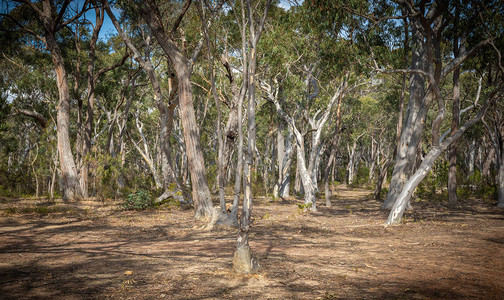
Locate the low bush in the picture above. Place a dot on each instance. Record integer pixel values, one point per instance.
(140, 200)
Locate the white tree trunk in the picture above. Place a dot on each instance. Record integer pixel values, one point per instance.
(500, 182)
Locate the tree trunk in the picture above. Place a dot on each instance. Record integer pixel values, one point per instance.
(489, 158)
(286, 165)
(280, 157)
(70, 182)
(200, 192)
(381, 179)
(404, 197)
(471, 158)
(452, 151)
(243, 261)
(402, 201)
(306, 180)
(351, 163)
(500, 182)
(411, 133)
(183, 67)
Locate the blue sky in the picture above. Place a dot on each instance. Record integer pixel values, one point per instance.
(108, 28)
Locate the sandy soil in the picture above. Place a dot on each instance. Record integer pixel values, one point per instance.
(93, 250)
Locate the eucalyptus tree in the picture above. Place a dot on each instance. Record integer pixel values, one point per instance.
(244, 261)
(175, 47)
(93, 73)
(44, 21)
(166, 111)
(494, 122)
(27, 150)
(235, 40)
(428, 24)
(319, 59)
(428, 70)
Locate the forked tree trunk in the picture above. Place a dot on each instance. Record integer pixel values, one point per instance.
(331, 163)
(166, 113)
(412, 129)
(91, 82)
(403, 200)
(243, 260)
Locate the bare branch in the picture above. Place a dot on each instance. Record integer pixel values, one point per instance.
(180, 17)
(78, 15)
(463, 56)
(35, 115)
(118, 64)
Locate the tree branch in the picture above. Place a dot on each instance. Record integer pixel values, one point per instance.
(35, 115)
(118, 64)
(180, 17)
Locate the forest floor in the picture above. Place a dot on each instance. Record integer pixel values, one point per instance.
(94, 250)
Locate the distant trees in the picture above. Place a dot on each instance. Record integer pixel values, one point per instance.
(361, 92)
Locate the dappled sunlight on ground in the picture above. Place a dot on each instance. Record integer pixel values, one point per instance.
(94, 250)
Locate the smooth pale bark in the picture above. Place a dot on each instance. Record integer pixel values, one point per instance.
(471, 158)
(145, 152)
(427, 28)
(352, 160)
(403, 200)
(307, 175)
(332, 156)
(284, 190)
(280, 147)
(70, 182)
(243, 251)
(500, 182)
(372, 161)
(298, 186)
(240, 97)
(413, 124)
(303, 173)
(452, 151)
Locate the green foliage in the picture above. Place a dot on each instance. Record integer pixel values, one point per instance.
(427, 188)
(140, 200)
(476, 186)
(304, 207)
(362, 176)
(108, 173)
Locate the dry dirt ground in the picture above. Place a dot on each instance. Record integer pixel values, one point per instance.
(93, 250)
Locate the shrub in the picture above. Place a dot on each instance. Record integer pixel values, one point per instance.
(140, 200)
(107, 174)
